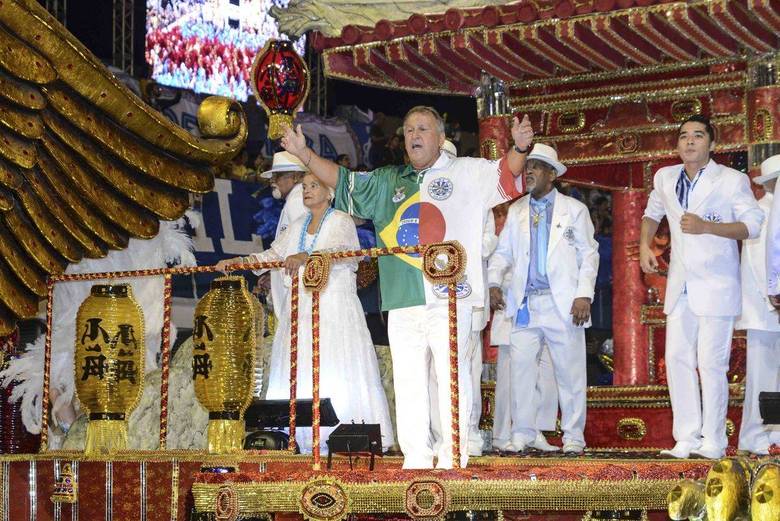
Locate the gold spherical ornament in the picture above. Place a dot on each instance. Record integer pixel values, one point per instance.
(686, 500)
(224, 344)
(727, 490)
(109, 364)
(765, 497)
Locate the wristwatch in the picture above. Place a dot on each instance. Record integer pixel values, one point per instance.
(520, 150)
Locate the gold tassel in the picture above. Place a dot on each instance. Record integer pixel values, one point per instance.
(225, 436)
(277, 123)
(106, 436)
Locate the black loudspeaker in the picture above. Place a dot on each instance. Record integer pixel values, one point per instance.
(262, 414)
(769, 407)
(355, 438)
(263, 417)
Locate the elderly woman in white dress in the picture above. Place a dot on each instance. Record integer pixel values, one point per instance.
(349, 373)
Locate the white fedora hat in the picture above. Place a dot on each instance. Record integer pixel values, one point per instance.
(449, 147)
(284, 162)
(770, 169)
(547, 154)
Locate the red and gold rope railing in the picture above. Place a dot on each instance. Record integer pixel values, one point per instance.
(443, 263)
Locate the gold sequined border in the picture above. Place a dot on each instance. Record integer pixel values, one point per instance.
(389, 497)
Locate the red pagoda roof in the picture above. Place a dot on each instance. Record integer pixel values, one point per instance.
(532, 40)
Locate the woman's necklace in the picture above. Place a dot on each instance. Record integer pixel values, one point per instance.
(302, 240)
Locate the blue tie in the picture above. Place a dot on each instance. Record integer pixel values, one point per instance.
(540, 221)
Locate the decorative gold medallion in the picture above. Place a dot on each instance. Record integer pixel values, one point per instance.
(426, 499)
(685, 108)
(762, 126)
(226, 505)
(324, 500)
(569, 122)
(316, 271)
(444, 262)
(633, 429)
(628, 143)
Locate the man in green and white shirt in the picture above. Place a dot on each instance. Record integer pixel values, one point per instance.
(434, 198)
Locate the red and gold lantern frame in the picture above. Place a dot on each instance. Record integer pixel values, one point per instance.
(280, 81)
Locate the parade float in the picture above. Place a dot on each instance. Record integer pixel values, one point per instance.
(86, 167)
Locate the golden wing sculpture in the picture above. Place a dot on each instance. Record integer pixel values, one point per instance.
(84, 163)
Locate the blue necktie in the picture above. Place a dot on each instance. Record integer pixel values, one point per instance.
(540, 221)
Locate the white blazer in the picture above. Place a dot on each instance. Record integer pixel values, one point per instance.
(757, 312)
(706, 265)
(572, 254)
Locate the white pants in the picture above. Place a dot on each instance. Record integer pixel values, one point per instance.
(419, 337)
(475, 356)
(475, 350)
(703, 343)
(566, 344)
(763, 374)
(546, 395)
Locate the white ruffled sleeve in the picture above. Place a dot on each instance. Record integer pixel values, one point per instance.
(342, 235)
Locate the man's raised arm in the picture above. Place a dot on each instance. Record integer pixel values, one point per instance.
(325, 170)
(522, 136)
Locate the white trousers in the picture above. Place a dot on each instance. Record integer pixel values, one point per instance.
(703, 343)
(475, 357)
(763, 374)
(419, 337)
(474, 350)
(545, 396)
(566, 344)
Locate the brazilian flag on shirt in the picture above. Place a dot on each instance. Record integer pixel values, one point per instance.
(390, 197)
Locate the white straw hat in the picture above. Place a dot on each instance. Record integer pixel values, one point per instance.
(284, 162)
(547, 154)
(770, 169)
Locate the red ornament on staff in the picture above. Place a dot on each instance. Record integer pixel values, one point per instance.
(280, 80)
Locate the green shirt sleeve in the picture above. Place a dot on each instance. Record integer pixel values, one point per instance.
(360, 193)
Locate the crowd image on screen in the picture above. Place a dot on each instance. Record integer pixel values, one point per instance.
(209, 45)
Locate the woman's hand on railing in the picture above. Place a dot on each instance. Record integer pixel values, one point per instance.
(225, 265)
(293, 262)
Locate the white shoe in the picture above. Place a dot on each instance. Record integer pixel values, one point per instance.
(680, 451)
(763, 451)
(474, 449)
(707, 452)
(573, 447)
(503, 446)
(520, 443)
(540, 443)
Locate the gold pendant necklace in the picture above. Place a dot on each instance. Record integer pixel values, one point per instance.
(536, 218)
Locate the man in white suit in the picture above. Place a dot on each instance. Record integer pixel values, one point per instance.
(709, 207)
(760, 319)
(285, 174)
(547, 243)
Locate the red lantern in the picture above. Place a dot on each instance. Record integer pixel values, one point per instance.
(280, 80)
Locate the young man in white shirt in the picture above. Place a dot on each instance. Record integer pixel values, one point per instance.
(709, 208)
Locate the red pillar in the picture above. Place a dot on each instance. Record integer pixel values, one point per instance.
(630, 336)
(494, 136)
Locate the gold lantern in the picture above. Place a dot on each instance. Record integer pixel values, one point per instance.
(109, 364)
(223, 360)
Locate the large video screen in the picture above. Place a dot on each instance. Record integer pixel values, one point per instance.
(208, 45)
